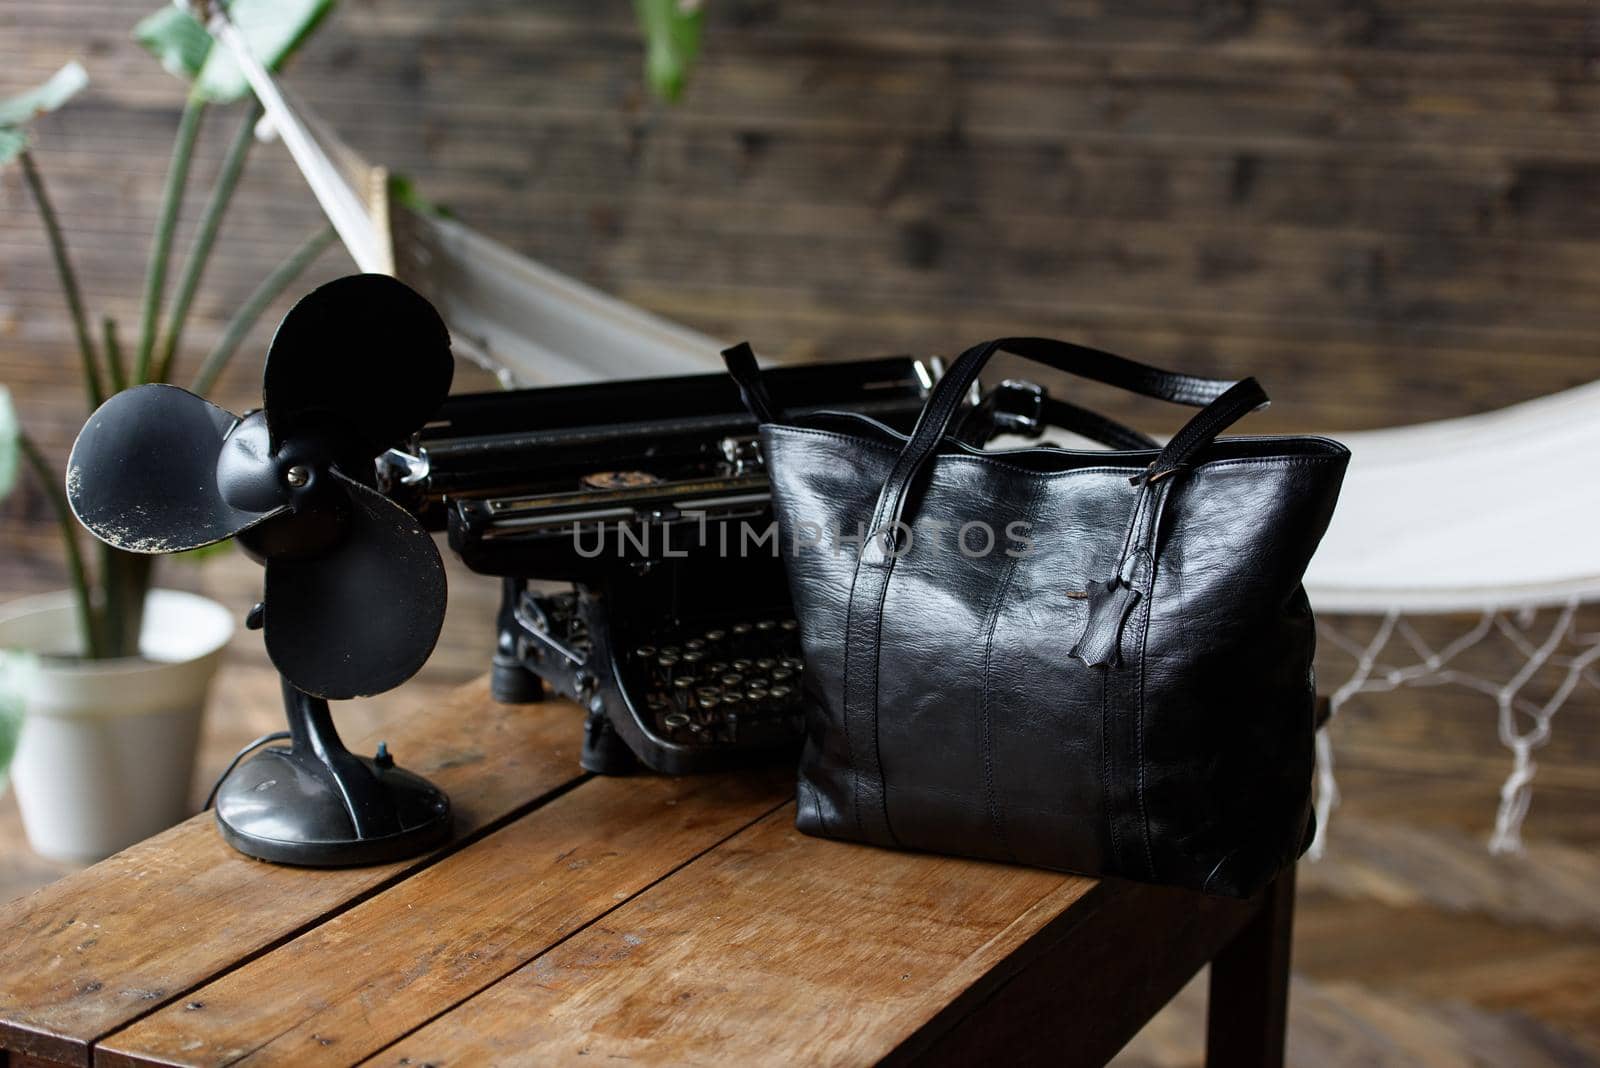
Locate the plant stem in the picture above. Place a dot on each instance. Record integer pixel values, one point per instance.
(155, 276)
(69, 280)
(124, 581)
(64, 519)
(267, 292)
(205, 236)
(114, 362)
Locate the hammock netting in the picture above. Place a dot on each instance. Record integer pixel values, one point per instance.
(1551, 648)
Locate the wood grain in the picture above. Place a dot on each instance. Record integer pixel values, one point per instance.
(103, 947)
(22, 1060)
(367, 977)
(840, 952)
(1086, 983)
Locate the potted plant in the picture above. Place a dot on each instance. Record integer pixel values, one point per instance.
(110, 677)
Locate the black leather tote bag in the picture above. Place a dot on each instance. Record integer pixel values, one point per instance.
(1091, 661)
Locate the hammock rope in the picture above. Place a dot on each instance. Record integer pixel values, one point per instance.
(1524, 724)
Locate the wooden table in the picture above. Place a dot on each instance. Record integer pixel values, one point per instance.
(582, 919)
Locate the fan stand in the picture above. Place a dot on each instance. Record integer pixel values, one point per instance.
(316, 804)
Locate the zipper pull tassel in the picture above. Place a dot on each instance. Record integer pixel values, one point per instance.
(1110, 602)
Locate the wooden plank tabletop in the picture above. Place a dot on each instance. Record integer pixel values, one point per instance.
(574, 917)
(448, 932)
(108, 945)
(774, 948)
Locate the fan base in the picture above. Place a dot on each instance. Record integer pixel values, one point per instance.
(285, 806)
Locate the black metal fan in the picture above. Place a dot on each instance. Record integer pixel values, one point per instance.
(354, 591)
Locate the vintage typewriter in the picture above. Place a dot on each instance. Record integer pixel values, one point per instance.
(628, 522)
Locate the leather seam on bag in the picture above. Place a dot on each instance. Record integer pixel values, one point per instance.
(877, 666)
(1156, 500)
(801, 786)
(876, 753)
(996, 818)
(995, 459)
(1107, 794)
(1139, 543)
(844, 706)
(1343, 454)
(1152, 556)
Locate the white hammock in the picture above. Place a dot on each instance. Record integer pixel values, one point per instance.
(1492, 514)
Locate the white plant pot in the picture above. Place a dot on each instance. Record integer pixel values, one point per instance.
(107, 748)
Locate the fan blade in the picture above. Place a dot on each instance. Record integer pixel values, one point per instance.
(363, 359)
(143, 472)
(362, 618)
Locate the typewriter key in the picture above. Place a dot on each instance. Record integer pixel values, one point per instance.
(740, 665)
(741, 635)
(666, 668)
(694, 645)
(716, 637)
(682, 692)
(671, 650)
(647, 653)
(790, 628)
(691, 661)
(782, 677)
(766, 664)
(719, 667)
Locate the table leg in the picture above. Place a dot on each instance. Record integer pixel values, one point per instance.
(1249, 1000)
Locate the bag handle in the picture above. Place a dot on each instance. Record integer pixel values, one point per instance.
(1039, 409)
(1016, 407)
(1223, 402)
(740, 360)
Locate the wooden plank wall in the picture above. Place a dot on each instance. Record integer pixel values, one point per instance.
(1387, 207)
(1388, 210)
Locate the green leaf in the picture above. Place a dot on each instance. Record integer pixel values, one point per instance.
(173, 36)
(273, 29)
(204, 553)
(10, 443)
(403, 191)
(672, 41)
(62, 86)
